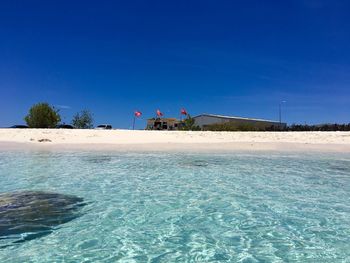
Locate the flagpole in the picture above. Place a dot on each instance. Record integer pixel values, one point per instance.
(133, 124)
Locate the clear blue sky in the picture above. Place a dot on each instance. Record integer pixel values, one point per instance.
(236, 58)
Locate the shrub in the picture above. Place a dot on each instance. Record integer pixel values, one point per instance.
(83, 120)
(42, 115)
(229, 126)
(188, 124)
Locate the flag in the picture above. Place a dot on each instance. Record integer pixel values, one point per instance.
(159, 113)
(138, 113)
(183, 111)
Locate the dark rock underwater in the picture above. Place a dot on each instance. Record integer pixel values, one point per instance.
(31, 214)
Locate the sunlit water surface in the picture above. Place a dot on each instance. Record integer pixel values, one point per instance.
(150, 207)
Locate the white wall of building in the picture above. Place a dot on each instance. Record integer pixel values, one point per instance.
(204, 120)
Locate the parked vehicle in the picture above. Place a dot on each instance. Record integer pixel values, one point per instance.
(104, 127)
(19, 127)
(64, 126)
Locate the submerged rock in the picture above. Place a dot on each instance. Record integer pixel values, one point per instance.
(31, 214)
(194, 163)
(98, 159)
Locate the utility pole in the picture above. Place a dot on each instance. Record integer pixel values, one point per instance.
(280, 110)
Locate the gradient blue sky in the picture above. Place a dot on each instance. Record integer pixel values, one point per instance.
(236, 58)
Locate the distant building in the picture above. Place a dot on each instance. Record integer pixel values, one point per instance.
(205, 120)
(163, 124)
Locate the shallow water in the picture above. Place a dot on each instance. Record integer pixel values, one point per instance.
(148, 207)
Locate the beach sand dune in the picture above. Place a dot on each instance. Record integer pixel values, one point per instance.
(172, 140)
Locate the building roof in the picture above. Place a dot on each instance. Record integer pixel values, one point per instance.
(235, 118)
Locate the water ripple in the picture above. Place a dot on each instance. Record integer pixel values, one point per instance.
(189, 207)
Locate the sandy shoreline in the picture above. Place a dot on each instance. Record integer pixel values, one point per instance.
(127, 140)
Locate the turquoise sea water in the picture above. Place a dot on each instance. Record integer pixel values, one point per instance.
(168, 207)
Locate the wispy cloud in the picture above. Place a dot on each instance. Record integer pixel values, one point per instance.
(64, 107)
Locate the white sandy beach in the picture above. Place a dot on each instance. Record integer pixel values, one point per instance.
(172, 140)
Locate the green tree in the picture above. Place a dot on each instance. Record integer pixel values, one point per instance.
(83, 120)
(188, 124)
(42, 115)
